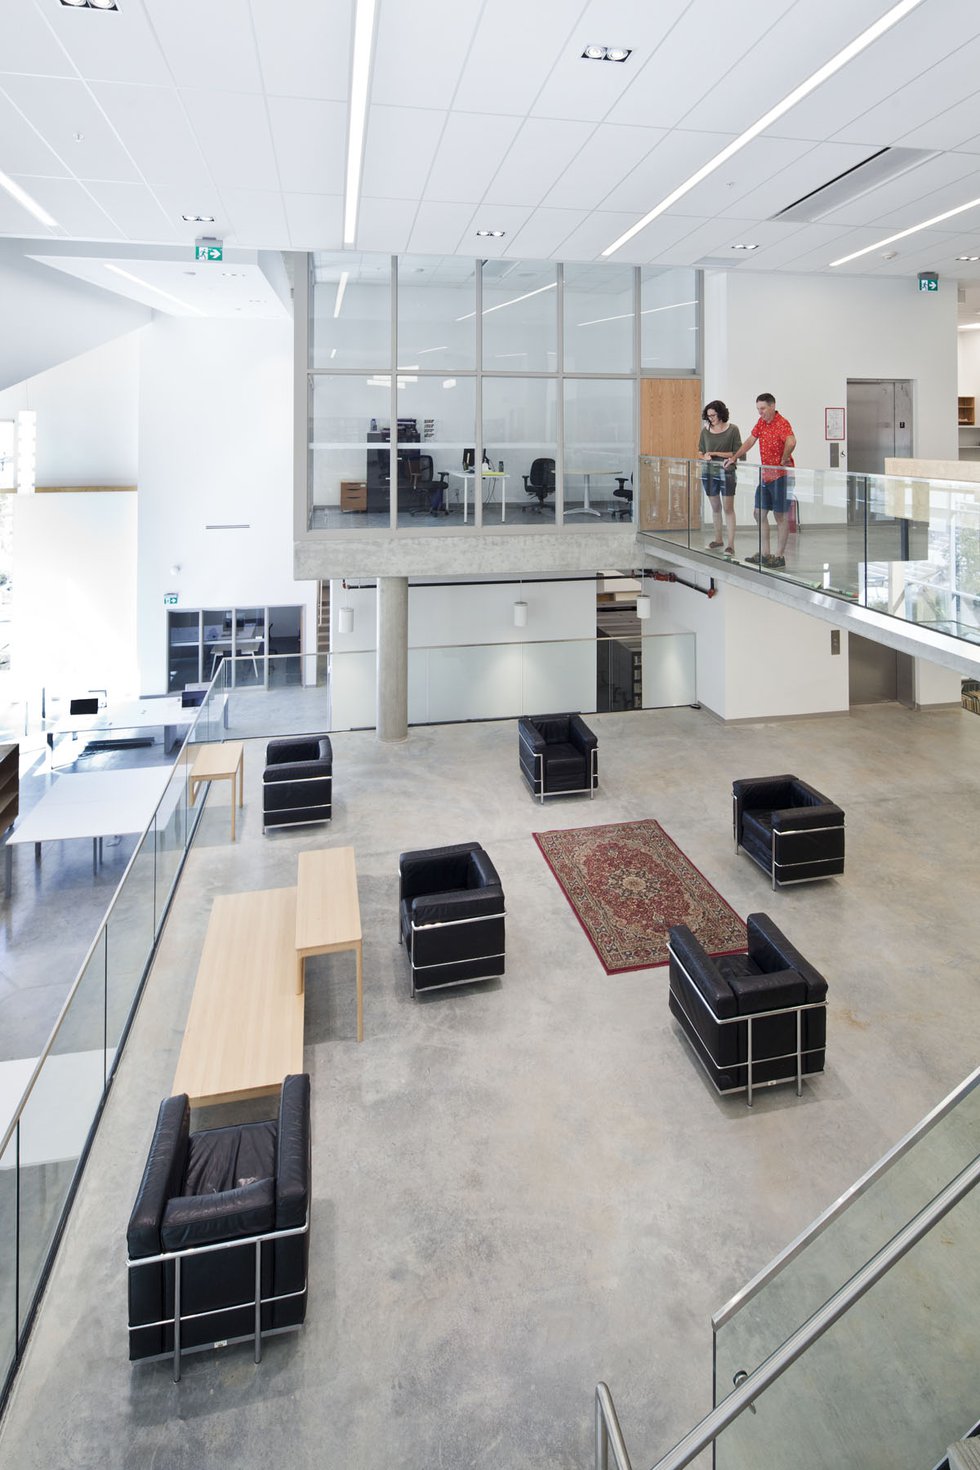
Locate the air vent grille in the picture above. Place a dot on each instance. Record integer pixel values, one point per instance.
(877, 169)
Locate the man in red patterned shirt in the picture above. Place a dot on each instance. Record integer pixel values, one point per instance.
(776, 441)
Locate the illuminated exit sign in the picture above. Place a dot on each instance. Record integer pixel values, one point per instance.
(205, 251)
(928, 281)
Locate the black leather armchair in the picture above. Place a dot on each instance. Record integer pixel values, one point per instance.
(451, 915)
(297, 784)
(218, 1239)
(540, 483)
(792, 831)
(559, 755)
(754, 1019)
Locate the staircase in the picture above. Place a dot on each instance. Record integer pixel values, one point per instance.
(323, 618)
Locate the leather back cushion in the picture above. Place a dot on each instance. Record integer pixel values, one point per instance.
(220, 1159)
(553, 728)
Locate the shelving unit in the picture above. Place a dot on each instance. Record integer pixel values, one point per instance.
(969, 429)
(966, 412)
(9, 802)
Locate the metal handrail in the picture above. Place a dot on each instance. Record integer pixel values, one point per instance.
(80, 975)
(820, 1224)
(755, 1384)
(608, 1432)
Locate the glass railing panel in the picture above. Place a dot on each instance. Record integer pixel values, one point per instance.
(8, 1255)
(891, 1383)
(668, 674)
(294, 701)
(847, 1241)
(56, 1119)
(171, 832)
(131, 930)
(666, 504)
(469, 682)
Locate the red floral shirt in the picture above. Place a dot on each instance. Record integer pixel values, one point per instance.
(772, 438)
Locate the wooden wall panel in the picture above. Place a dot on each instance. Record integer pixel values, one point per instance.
(670, 422)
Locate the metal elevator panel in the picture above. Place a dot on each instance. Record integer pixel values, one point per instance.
(879, 423)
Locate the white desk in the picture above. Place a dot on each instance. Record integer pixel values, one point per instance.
(93, 804)
(246, 644)
(587, 508)
(127, 714)
(493, 476)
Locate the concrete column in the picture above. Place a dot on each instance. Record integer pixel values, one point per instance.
(392, 695)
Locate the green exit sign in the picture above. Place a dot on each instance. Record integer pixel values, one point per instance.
(170, 599)
(928, 281)
(209, 252)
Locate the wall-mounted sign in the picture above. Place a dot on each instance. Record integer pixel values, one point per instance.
(928, 281)
(209, 250)
(170, 599)
(833, 423)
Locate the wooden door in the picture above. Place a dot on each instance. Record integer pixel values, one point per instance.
(670, 422)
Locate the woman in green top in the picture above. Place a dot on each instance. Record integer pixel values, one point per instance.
(719, 439)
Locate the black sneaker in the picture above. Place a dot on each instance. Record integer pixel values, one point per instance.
(774, 561)
(757, 559)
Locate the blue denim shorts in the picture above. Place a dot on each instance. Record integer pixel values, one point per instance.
(774, 494)
(716, 480)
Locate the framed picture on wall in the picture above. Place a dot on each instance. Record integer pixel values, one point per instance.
(833, 423)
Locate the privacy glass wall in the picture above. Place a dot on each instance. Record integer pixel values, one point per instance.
(467, 393)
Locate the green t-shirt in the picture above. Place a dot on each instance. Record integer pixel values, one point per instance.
(726, 441)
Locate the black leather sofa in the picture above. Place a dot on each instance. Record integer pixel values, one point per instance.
(753, 1019)
(559, 755)
(451, 915)
(297, 784)
(793, 832)
(218, 1239)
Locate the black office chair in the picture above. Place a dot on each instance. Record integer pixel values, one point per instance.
(426, 483)
(539, 482)
(624, 492)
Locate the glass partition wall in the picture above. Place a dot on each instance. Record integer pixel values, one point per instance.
(456, 393)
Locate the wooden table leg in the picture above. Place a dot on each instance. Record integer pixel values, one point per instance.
(360, 994)
(233, 806)
(241, 780)
(300, 975)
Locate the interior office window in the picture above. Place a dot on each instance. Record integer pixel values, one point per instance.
(599, 317)
(669, 320)
(600, 449)
(436, 313)
(520, 432)
(350, 310)
(520, 316)
(349, 456)
(436, 425)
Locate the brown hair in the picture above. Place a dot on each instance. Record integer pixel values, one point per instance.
(719, 408)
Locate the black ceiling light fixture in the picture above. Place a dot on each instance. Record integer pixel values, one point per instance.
(91, 4)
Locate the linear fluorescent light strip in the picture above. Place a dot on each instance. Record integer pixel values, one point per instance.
(117, 270)
(648, 311)
(341, 288)
(913, 229)
(360, 75)
(24, 199)
(552, 285)
(861, 43)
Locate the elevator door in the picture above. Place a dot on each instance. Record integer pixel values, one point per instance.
(879, 423)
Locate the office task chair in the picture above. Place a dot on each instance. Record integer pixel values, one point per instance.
(539, 482)
(426, 483)
(624, 492)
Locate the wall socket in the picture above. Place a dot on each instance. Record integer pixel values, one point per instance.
(835, 640)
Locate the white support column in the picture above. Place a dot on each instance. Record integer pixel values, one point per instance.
(392, 658)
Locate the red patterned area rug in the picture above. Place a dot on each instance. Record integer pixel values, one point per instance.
(627, 883)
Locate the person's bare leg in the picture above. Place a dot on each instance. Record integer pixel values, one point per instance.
(715, 503)
(729, 522)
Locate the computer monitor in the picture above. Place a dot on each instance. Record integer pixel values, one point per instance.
(84, 706)
(469, 458)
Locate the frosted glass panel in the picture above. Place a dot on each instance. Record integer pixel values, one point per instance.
(669, 670)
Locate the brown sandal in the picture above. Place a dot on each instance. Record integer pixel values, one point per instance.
(729, 551)
(715, 545)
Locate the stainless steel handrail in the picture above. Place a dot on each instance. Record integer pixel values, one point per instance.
(752, 1387)
(608, 1432)
(820, 1224)
(80, 975)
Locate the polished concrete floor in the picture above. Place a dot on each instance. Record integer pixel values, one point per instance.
(526, 1186)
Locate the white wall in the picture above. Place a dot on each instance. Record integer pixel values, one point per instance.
(215, 447)
(802, 337)
(75, 594)
(968, 364)
(87, 415)
(936, 685)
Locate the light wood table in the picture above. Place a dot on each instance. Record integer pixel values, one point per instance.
(328, 916)
(244, 1030)
(224, 761)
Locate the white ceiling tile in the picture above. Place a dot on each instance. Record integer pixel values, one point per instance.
(58, 110)
(606, 158)
(310, 139)
(385, 224)
(207, 46)
(934, 186)
(316, 221)
(73, 207)
(602, 228)
(917, 101)
(470, 151)
(113, 45)
(749, 170)
(545, 233)
(304, 48)
(232, 130)
(256, 217)
(821, 163)
(30, 44)
(439, 227)
(954, 129)
(539, 155)
(401, 144)
(409, 71)
(157, 133)
(513, 51)
(668, 164)
(134, 210)
(15, 220)
(22, 150)
(796, 242)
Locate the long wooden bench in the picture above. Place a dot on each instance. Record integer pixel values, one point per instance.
(244, 1030)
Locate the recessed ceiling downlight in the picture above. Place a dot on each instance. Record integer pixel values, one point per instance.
(606, 53)
(490, 234)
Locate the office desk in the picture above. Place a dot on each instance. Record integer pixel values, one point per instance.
(493, 476)
(587, 508)
(127, 714)
(246, 644)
